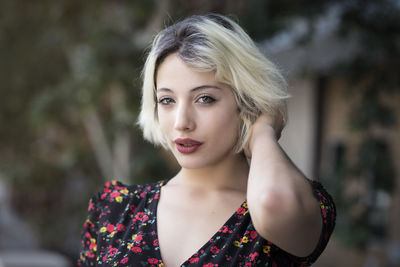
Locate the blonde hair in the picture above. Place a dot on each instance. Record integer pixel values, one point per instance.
(215, 43)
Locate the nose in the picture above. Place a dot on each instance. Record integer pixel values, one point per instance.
(184, 118)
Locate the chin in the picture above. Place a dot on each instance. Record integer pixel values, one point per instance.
(192, 163)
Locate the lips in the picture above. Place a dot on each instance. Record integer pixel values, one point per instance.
(187, 145)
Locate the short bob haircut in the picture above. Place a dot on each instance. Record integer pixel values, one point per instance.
(215, 43)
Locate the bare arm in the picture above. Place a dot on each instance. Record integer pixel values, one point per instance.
(280, 199)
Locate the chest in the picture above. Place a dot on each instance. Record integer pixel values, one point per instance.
(129, 236)
(184, 228)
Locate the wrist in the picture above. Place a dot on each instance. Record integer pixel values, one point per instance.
(262, 136)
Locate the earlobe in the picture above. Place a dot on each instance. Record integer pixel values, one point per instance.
(247, 152)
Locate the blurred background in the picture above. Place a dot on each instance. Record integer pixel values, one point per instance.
(70, 96)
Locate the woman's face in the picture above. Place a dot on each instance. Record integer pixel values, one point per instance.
(197, 115)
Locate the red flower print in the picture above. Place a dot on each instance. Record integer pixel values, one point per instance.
(322, 197)
(253, 234)
(125, 223)
(110, 227)
(214, 250)
(92, 246)
(91, 207)
(115, 194)
(138, 238)
(139, 216)
(323, 212)
(193, 260)
(132, 208)
(254, 256)
(120, 227)
(136, 249)
(241, 210)
(152, 260)
(112, 251)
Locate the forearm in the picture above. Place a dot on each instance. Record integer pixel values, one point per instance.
(272, 172)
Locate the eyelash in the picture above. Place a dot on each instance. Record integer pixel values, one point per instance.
(202, 99)
(210, 99)
(163, 99)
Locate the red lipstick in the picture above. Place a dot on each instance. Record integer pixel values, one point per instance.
(187, 145)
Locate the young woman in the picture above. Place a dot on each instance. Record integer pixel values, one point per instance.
(213, 100)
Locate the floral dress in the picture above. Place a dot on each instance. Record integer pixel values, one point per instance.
(121, 231)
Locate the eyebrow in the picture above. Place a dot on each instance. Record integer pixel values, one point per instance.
(202, 87)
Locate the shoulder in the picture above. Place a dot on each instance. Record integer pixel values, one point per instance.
(107, 211)
(117, 194)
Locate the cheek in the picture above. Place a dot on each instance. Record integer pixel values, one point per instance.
(163, 121)
(229, 124)
(165, 128)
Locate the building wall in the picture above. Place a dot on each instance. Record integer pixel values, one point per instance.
(298, 137)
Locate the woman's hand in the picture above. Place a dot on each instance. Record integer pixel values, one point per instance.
(265, 126)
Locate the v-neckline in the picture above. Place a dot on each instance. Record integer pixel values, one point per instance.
(213, 237)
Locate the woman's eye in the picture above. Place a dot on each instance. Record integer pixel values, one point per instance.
(165, 101)
(205, 99)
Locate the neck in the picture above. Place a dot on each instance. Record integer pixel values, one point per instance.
(232, 174)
